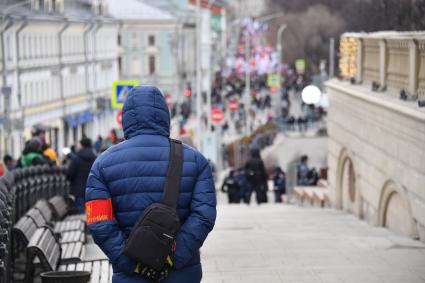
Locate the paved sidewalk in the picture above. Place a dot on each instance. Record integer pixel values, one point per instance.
(281, 243)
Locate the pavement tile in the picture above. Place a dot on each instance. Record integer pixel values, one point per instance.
(287, 243)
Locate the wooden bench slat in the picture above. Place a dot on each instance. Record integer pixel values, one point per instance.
(77, 250)
(95, 276)
(71, 267)
(104, 271)
(74, 225)
(68, 253)
(88, 266)
(67, 225)
(80, 266)
(64, 250)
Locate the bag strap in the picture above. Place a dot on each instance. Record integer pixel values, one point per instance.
(174, 172)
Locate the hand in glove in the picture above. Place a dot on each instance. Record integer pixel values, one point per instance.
(153, 274)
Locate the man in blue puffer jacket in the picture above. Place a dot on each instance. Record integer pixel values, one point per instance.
(130, 176)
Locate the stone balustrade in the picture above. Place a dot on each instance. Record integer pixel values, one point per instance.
(394, 60)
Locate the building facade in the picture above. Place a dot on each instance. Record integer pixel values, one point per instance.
(148, 44)
(59, 59)
(377, 130)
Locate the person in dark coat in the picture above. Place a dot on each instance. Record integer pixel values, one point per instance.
(9, 162)
(245, 187)
(257, 176)
(303, 172)
(130, 176)
(78, 171)
(231, 187)
(279, 184)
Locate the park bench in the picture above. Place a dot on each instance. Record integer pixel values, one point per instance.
(44, 252)
(45, 209)
(322, 183)
(59, 207)
(299, 194)
(320, 197)
(26, 227)
(3, 252)
(22, 213)
(308, 195)
(6, 218)
(312, 195)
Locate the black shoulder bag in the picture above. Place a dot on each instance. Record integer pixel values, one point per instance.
(153, 236)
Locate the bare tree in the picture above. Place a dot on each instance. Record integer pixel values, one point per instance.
(312, 22)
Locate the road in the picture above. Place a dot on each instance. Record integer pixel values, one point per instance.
(282, 243)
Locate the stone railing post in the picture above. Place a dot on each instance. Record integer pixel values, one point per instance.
(359, 60)
(413, 66)
(383, 62)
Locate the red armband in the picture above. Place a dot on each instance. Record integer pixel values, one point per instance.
(99, 210)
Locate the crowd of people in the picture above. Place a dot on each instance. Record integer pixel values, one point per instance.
(253, 177)
(78, 160)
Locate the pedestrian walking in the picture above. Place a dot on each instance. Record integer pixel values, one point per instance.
(244, 185)
(46, 149)
(78, 171)
(99, 144)
(279, 184)
(303, 171)
(130, 177)
(9, 162)
(32, 154)
(231, 187)
(257, 176)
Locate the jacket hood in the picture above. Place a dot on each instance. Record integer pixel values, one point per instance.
(145, 112)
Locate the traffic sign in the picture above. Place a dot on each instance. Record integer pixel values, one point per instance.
(119, 117)
(120, 90)
(233, 105)
(217, 116)
(300, 66)
(273, 80)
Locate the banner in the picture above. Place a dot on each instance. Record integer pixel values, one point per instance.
(300, 66)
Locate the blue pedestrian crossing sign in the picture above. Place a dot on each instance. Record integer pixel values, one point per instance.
(120, 90)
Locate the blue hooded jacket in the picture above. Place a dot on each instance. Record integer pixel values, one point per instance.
(131, 176)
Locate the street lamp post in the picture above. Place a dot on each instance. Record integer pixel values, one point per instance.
(210, 3)
(247, 85)
(198, 73)
(279, 43)
(332, 57)
(280, 31)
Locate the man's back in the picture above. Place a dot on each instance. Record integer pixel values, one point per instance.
(79, 169)
(130, 176)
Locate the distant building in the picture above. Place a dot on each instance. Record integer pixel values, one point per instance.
(59, 58)
(151, 42)
(158, 43)
(377, 130)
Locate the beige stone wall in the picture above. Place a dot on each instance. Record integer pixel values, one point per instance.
(384, 140)
(397, 63)
(371, 62)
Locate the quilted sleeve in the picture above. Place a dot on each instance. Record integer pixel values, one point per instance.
(102, 224)
(201, 219)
